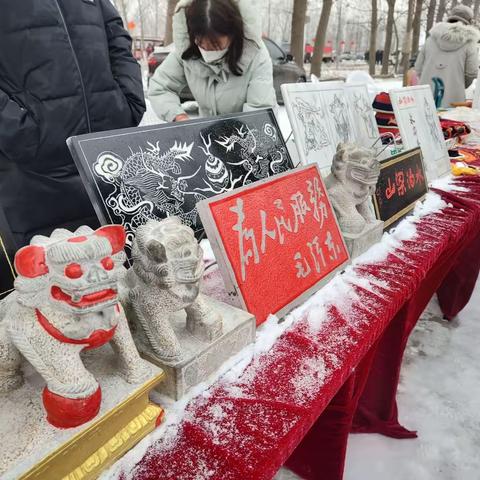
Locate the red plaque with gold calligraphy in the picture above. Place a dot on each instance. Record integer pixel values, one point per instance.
(276, 241)
(402, 183)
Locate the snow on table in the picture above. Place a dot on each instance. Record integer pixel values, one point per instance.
(245, 423)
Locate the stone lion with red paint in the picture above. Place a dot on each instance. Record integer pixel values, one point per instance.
(65, 301)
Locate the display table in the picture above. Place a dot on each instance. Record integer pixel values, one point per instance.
(297, 403)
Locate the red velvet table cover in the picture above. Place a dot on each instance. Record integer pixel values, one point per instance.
(314, 377)
(453, 277)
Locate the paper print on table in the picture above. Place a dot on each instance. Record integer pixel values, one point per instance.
(433, 123)
(311, 118)
(339, 114)
(276, 242)
(476, 94)
(402, 183)
(138, 174)
(325, 114)
(419, 125)
(320, 119)
(364, 123)
(7, 254)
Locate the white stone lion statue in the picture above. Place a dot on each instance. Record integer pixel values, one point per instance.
(352, 182)
(165, 278)
(66, 301)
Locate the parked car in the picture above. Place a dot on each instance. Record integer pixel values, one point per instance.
(286, 47)
(157, 57)
(347, 56)
(285, 70)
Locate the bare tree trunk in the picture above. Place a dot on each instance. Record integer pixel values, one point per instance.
(431, 15)
(298, 30)
(285, 21)
(269, 13)
(476, 7)
(320, 37)
(338, 35)
(407, 41)
(142, 26)
(373, 38)
(397, 46)
(388, 37)
(442, 6)
(416, 25)
(171, 4)
(122, 7)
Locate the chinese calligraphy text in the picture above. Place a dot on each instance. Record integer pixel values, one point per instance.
(401, 184)
(280, 238)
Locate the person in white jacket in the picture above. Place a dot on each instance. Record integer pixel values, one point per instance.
(219, 54)
(451, 54)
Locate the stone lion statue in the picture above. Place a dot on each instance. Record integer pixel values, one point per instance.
(66, 301)
(353, 179)
(165, 278)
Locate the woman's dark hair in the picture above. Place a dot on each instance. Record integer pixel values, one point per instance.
(210, 19)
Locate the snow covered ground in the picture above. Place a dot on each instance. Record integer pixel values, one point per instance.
(439, 395)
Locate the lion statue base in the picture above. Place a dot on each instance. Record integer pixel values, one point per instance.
(186, 333)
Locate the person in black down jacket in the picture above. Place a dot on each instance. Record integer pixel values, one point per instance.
(66, 69)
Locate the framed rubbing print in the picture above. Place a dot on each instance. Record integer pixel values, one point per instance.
(320, 119)
(326, 113)
(364, 122)
(402, 183)
(138, 174)
(476, 94)
(7, 254)
(419, 125)
(276, 241)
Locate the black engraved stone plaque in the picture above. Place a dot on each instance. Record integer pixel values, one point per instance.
(7, 253)
(401, 184)
(136, 174)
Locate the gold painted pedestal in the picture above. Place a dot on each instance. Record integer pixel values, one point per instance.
(33, 449)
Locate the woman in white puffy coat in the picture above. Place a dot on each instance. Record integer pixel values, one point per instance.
(451, 54)
(219, 54)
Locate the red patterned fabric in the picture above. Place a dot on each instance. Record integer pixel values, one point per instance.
(246, 430)
(452, 128)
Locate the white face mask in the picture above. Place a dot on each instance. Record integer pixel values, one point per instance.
(212, 56)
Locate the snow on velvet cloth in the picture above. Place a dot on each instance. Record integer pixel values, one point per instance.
(213, 86)
(246, 424)
(452, 276)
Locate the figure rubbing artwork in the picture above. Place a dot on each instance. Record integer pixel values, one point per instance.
(151, 173)
(364, 110)
(312, 121)
(338, 108)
